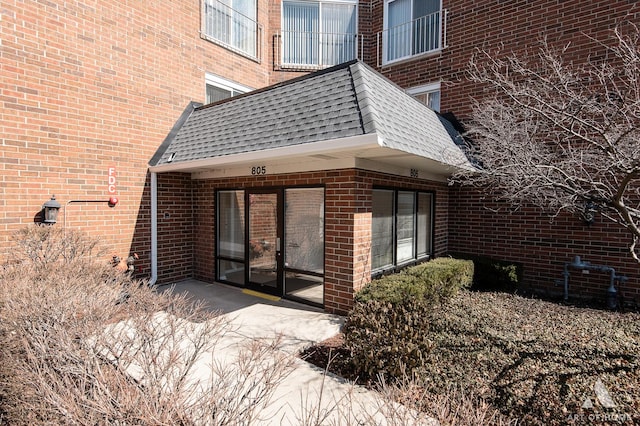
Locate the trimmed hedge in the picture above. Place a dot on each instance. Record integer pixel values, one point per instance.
(432, 282)
(386, 330)
(387, 338)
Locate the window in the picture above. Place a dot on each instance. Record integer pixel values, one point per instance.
(318, 34)
(411, 27)
(401, 228)
(218, 88)
(232, 23)
(428, 95)
(405, 220)
(424, 224)
(382, 229)
(230, 227)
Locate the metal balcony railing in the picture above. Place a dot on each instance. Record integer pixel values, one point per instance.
(313, 50)
(420, 36)
(230, 28)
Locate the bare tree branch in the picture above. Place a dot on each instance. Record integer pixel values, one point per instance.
(560, 135)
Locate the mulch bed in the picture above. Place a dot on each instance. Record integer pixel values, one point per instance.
(331, 355)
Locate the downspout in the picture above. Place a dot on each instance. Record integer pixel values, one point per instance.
(154, 186)
(154, 229)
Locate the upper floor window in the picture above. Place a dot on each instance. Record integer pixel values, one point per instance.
(218, 88)
(411, 27)
(428, 94)
(233, 24)
(319, 33)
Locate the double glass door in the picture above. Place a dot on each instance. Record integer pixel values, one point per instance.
(272, 240)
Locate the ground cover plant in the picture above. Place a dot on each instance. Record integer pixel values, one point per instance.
(536, 362)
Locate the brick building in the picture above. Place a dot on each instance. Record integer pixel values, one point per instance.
(528, 236)
(90, 90)
(301, 187)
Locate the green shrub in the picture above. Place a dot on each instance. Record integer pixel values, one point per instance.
(392, 288)
(443, 277)
(386, 330)
(434, 281)
(387, 338)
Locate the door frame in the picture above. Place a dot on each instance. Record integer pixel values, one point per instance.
(278, 290)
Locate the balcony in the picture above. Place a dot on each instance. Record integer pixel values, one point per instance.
(420, 36)
(313, 50)
(231, 29)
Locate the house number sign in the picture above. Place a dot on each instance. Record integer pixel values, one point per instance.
(259, 170)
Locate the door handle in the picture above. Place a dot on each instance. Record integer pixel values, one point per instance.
(277, 244)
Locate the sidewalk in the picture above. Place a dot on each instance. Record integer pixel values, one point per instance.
(306, 395)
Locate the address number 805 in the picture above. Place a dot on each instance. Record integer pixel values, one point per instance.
(259, 170)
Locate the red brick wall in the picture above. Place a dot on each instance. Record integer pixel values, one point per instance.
(542, 245)
(204, 223)
(347, 223)
(508, 25)
(176, 227)
(526, 236)
(87, 86)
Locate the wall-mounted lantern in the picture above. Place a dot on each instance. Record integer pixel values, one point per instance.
(50, 211)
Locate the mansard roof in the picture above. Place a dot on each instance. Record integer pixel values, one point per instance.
(349, 102)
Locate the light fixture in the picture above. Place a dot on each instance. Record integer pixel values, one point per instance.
(50, 211)
(589, 213)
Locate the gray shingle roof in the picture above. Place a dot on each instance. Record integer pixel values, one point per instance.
(348, 100)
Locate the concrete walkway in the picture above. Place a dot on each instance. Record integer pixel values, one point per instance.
(306, 396)
(297, 326)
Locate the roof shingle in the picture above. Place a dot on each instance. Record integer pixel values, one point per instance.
(347, 100)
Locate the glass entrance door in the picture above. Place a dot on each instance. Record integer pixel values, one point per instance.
(265, 241)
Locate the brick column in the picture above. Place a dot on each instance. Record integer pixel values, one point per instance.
(347, 239)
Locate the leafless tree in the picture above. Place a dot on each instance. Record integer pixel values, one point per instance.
(561, 135)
